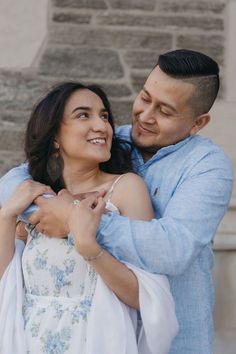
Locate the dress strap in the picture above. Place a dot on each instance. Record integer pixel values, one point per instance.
(111, 190)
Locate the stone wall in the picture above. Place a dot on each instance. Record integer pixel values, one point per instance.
(116, 43)
(111, 42)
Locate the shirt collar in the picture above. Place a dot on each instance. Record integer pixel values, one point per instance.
(160, 153)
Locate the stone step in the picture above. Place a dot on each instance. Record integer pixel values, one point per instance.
(225, 342)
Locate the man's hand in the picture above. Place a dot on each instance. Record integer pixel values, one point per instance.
(21, 232)
(52, 216)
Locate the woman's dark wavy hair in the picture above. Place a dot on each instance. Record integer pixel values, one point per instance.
(44, 124)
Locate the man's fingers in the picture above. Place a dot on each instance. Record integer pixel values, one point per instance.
(35, 217)
(39, 200)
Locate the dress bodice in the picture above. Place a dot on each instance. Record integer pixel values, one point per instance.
(53, 267)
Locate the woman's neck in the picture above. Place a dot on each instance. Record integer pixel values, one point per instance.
(80, 180)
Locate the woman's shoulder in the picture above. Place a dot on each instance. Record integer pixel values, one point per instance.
(129, 193)
(125, 186)
(130, 179)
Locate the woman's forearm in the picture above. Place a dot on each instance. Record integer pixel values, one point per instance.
(117, 277)
(7, 240)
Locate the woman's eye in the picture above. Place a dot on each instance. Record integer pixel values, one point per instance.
(82, 115)
(105, 116)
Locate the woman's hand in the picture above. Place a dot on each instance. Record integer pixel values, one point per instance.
(22, 197)
(83, 222)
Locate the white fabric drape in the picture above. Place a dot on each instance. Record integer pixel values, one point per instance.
(11, 298)
(111, 324)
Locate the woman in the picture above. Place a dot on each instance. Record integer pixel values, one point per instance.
(77, 296)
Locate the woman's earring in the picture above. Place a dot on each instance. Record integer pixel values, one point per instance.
(55, 165)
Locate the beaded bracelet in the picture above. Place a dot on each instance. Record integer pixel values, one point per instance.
(88, 259)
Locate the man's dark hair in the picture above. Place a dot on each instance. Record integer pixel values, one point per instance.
(43, 126)
(198, 69)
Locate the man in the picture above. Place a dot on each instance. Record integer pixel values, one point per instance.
(190, 182)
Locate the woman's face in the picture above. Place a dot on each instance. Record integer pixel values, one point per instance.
(85, 133)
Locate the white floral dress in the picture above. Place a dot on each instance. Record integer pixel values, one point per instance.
(59, 288)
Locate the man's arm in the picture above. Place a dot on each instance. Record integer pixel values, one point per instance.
(10, 181)
(170, 244)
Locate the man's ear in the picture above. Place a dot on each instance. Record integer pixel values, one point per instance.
(200, 122)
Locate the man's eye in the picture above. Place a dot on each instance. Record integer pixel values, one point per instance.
(145, 99)
(165, 114)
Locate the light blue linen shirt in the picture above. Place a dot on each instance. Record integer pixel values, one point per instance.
(190, 185)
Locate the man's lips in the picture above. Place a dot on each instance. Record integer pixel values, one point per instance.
(144, 130)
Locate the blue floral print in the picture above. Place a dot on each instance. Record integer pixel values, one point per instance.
(56, 342)
(59, 291)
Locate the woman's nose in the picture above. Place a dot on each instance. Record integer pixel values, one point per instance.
(98, 124)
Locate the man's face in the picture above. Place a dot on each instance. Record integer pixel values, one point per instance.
(161, 115)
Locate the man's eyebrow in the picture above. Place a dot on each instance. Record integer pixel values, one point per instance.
(146, 91)
(162, 103)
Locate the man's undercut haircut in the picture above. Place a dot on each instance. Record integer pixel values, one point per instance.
(198, 69)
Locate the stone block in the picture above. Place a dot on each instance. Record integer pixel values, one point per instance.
(225, 342)
(81, 63)
(13, 118)
(133, 4)
(19, 91)
(11, 139)
(138, 79)
(81, 4)
(122, 111)
(72, 17)
(114, 90)
(225, 288)
(142, 59)
(9, 159)
(201, 6)
(161, 21)
(107, 37)
(211, 45)
(228, 223)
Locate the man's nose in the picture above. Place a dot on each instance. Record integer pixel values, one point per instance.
(147, 116)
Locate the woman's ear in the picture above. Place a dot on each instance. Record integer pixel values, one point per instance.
(200, 122)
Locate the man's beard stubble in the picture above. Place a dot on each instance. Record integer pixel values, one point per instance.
(146, 151)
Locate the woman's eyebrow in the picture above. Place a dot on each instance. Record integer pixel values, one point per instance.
(84, 108)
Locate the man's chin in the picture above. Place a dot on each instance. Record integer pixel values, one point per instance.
(145, 149)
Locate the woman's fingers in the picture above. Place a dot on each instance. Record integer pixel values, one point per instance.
(99, 209)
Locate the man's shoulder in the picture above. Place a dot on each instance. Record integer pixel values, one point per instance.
(204, 146)
(204, 151)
